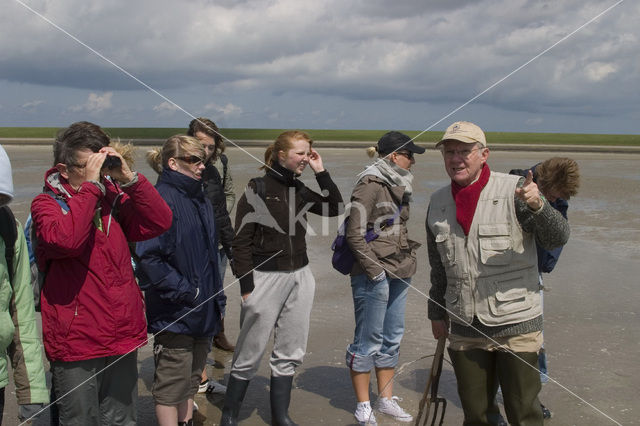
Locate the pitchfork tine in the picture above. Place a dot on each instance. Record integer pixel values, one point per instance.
(436, 404)
(432, 385)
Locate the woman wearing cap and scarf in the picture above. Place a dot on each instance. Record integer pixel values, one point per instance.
(382, 272)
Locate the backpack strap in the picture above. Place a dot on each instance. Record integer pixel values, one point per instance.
(9, 231)
(59, 199)
(38, 285)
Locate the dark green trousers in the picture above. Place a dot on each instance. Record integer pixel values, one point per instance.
(98, 391)
(479, 373)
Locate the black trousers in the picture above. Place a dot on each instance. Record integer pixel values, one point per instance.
(1, 404)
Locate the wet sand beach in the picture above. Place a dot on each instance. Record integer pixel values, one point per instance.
(592, 324)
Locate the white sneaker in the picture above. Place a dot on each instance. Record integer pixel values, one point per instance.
(364, 414)
(391, 408)
(216, 387)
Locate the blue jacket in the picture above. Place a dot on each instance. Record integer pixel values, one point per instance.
(179, 269)
(547, 259)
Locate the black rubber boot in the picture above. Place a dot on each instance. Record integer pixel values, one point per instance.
(520, 387)
(280, 398)
(236, 390)
(477, 385)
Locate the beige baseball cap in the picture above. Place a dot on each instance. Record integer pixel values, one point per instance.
(464, 131)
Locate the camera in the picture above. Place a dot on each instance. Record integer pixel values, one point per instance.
(111, 162)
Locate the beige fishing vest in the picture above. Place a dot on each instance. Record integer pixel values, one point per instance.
(492, 273)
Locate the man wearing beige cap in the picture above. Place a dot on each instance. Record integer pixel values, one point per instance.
(481, 237)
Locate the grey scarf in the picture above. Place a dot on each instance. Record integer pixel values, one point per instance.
(393, 175)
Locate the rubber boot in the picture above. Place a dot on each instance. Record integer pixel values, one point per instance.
(520, 382)
(477, 385)
(236, 390)
(280, 398)
(220, 340)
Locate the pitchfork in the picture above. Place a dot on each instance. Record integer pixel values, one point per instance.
(432, 385)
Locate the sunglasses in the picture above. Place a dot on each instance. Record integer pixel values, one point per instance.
(407, 154)
(191, 159)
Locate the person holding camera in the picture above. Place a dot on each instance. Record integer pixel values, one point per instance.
(93, 318)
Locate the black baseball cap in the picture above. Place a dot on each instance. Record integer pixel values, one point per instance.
(396, 141)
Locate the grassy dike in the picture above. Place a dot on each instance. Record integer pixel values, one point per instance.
(126, 133)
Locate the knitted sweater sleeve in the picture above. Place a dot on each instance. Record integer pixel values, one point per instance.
(550, 228)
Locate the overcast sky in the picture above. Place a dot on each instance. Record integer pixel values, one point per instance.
(344, 64)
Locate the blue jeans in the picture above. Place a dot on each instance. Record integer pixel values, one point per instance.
(379, 313)
(542, 355)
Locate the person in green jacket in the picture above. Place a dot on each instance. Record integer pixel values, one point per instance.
(19, 336)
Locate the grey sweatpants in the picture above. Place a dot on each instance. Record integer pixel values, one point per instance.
(280, 301)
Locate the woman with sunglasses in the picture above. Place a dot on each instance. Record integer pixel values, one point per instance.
(382, 272)
(179, 273)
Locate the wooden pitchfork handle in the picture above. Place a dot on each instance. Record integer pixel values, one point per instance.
(432, 383)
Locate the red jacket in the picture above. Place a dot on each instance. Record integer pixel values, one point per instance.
(91, 304)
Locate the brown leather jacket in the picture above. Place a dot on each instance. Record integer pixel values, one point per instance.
(263, 239)
(372, 202)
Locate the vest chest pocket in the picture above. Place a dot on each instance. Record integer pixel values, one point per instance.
(495, 244)
(446, 246)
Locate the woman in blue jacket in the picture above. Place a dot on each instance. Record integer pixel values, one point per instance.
(179, 273)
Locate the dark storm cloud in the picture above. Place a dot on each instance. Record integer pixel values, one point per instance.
(439, 52)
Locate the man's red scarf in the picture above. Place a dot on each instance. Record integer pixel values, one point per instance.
(466, 198)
